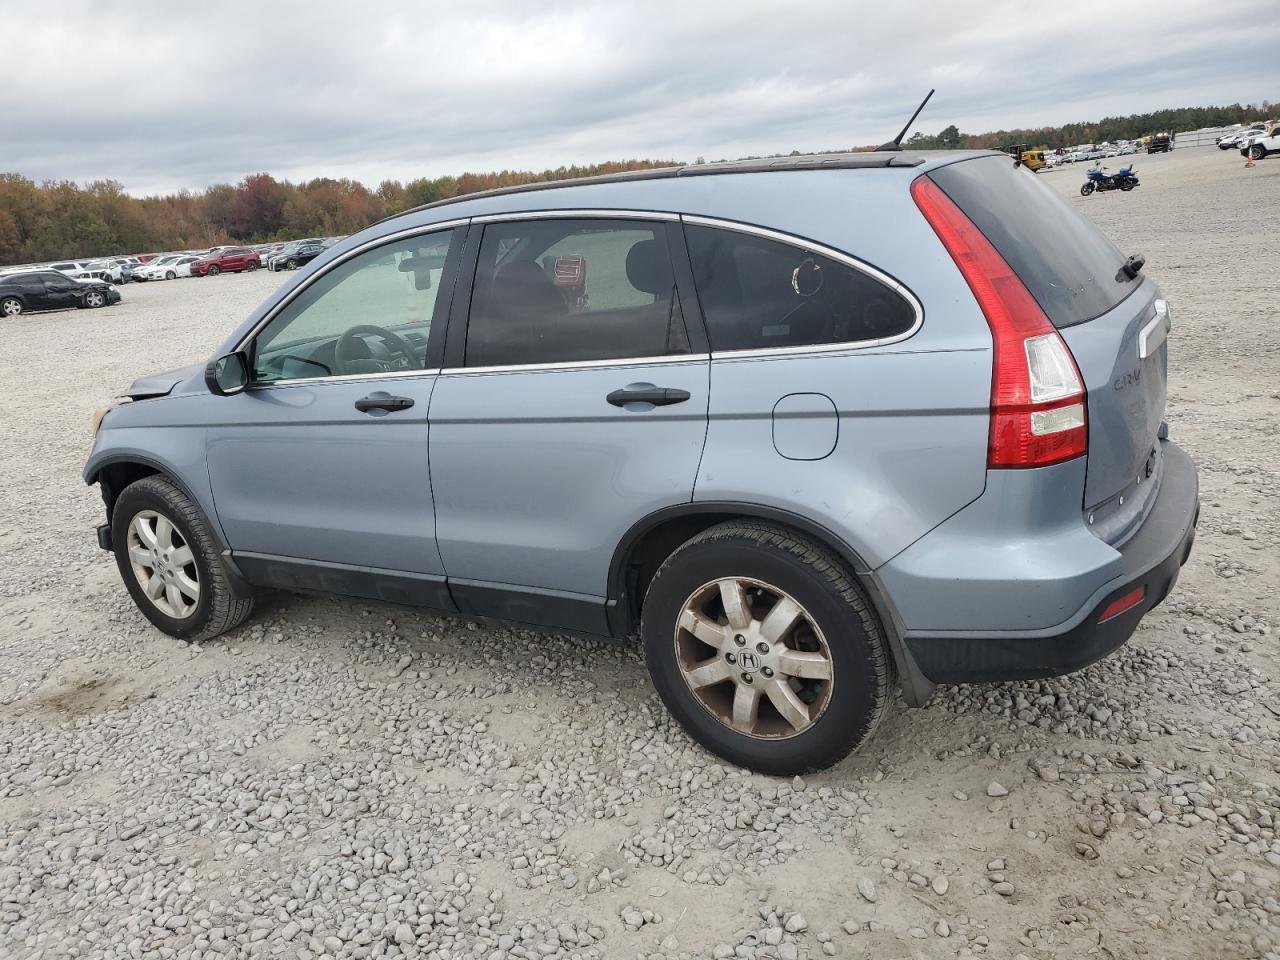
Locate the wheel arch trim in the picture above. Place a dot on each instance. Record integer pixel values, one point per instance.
(916, 688)
(93, 474)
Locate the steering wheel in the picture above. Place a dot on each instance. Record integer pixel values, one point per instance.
(393, 345)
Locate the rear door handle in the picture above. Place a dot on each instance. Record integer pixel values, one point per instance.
(383, 401)
(645, 393)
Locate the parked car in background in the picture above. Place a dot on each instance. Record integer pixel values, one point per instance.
(147, 271)
(295, 254)
(226, 260)
(107, 270)
(51, 290)
(1261, 144)
(803, 432)
(1160, 143)
(168, 268)
(1237, 138)
(71, 268)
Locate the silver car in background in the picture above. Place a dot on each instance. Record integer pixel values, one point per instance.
(809, 426)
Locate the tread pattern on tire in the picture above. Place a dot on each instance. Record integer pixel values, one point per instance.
(817, 558)
(226, 611)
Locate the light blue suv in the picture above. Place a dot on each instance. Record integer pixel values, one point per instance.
(804, 425)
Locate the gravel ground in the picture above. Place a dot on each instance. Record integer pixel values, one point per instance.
(340, 778)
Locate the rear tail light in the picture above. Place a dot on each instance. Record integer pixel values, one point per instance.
(1038, 409)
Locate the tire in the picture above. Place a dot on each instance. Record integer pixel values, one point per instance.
(170, 275)
(10, 307)
(214, 271)
(216, 609)
(835, 621)
(1257, 151)
(95, 299)
(251, 267)
(291, 263)
(1086, 189)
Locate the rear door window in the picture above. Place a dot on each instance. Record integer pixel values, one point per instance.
(759, 294)
(566, 291)
(1067, 264)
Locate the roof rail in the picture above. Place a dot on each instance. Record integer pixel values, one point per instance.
(814, 161)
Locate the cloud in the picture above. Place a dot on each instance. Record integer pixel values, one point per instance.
(163, 98)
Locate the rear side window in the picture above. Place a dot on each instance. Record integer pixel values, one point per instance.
(560, 291)
(758, 293)
(1071, 269)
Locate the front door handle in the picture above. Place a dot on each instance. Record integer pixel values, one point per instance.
(646, 393)
(383, 401)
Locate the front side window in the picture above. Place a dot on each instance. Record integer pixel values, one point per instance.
(563, 291)
(370, 314)
(758, 293)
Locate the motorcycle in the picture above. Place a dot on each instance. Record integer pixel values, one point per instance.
(1099, 179)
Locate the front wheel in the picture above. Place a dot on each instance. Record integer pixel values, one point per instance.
(170, 562)
(291, 263)
(10, 307)
(1086, 189)
(214, 271)
(95, 299)
(1257, 151)
(170, 275)
(765, 649)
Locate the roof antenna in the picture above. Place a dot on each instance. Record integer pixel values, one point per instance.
(896, 142)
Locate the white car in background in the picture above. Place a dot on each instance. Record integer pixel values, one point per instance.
(75, 269)
(108, 270)
(1260, 143)
(1239, 138)
(168, 267)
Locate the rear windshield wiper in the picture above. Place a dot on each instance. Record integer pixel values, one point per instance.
(1132, 267)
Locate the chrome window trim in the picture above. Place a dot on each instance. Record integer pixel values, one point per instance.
(831, 253)
(582, 214)
(343, 378)
(579, 364)
(353, 252)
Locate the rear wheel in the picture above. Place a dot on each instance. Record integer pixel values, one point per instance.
(10, 307)
(765, 649)
(1086, 189)
(170, 562)
(252, 266)
(1127, 186)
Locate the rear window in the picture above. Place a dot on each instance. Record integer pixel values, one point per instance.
(1071, 269)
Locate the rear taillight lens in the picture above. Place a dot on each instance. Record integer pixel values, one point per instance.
(1038, 403)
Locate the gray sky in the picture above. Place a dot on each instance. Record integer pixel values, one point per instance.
(165, 96)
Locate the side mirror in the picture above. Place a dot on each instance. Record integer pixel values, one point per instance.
(227, 375)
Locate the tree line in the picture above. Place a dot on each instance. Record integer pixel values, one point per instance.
(58, 220)
(1099, 131)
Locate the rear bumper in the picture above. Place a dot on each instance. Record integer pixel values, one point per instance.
(1150, 560)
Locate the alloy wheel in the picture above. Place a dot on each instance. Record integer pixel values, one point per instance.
(10, 307)
(754, 658)
(163, 563)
